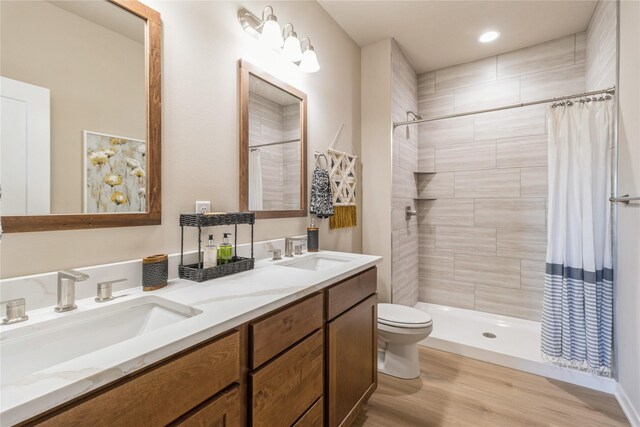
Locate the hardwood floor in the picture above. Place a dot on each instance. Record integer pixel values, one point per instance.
(458, 391)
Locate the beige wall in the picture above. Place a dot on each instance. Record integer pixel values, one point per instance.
(627, 295)
(483, 190)
(202, 42)
(96, 77)
(377, 159)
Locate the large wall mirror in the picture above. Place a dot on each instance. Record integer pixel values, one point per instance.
(273, 144)
(80, 114)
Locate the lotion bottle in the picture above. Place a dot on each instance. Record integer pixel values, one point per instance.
(210, 254)
(225, 252)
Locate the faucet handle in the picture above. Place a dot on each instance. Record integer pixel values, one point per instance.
(105, 290)
(276, 254)
(16, 311)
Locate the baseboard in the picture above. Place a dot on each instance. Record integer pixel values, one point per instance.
(628, 409)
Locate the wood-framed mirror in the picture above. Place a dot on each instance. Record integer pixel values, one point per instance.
(83, 78)
(273, 145)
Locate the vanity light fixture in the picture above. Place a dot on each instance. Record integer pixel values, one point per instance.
(267, 30)
(271, 29)
(309, 61)
(291, 47)
(489, 36)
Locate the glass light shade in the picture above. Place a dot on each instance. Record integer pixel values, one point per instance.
(309, 62)
(271, 34)
(292, 49)
(489, 36)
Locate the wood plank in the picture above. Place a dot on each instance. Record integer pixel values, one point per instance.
(285, 388)
(314, 417)
(150, 397)
(352, 370)
(277, 332)
(221, 411)
(344, 295)
(457, 391)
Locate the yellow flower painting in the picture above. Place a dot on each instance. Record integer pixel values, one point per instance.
(115, 175)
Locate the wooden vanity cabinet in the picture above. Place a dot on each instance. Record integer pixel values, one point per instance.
(351, 349)
(311, 363)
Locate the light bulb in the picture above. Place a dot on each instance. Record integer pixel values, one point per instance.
(271, 33)
(291, 48)
(309, 61)
(489, 36)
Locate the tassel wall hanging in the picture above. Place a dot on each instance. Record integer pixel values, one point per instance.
(343, 186)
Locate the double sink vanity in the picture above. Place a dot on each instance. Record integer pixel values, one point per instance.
(290, 342)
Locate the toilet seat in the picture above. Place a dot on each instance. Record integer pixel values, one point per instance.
(401, 316)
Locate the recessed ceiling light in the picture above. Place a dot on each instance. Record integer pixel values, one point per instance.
(489, 36)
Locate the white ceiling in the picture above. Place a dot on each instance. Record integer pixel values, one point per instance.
(437, 34)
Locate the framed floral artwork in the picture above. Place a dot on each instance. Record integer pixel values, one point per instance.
(115, 173)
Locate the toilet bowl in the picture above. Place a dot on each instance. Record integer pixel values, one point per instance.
(400, 328)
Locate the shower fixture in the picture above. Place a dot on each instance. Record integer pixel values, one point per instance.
(415, 117)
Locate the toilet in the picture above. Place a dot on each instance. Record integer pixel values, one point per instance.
(400, 328)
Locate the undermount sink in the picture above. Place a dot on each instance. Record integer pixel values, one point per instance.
(315, 262)
(29, 349)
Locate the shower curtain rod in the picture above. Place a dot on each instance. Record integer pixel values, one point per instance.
(610, 91)
(273, 143)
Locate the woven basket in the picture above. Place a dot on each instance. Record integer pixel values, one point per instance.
(192, 272)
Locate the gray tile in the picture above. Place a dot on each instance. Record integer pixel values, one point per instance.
(437, 264)
(520, 303)
(541, 57)
(446, 132)
(521, 213)
(534, 182)
(426, 83)
(445, 212)
(487, 95)
(427, 159)
(487, 183)
(553, 83)
(522, 151)
(435, 185)
(488, 270)
(436, 104)
(426, 237)
(581, 48)
(471, 240)
(532, 274)
(530, 244)
(469, 73)
(471, 156)
(512, 123)
(447, 292)
(601, 47)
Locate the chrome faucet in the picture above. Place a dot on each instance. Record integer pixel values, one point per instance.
(288, 245)
(67, 289)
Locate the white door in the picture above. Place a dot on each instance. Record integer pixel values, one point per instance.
(25, 153)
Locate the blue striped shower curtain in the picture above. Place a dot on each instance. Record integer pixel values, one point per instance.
(577, 315)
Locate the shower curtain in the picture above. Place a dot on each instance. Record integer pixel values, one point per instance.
(578, 295)
(255, 181)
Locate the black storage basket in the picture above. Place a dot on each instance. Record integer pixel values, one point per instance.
(195, 271)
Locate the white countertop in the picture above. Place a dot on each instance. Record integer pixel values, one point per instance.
(226, 303)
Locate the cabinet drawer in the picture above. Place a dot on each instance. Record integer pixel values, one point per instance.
(222, 411)
(277, 332)
(163, 393)
(346, 294)
(314, 417)
(282, 390)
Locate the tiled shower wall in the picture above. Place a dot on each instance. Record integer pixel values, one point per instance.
(272, 122)
(404, 90)
(483, 190)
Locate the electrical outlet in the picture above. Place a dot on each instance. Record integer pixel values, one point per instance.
(203, 206)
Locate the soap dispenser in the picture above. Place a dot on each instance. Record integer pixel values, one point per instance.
(210, 254)
(225, 251)
(313, 238)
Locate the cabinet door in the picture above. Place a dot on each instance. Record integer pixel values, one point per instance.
(351, 361)
(221, 411)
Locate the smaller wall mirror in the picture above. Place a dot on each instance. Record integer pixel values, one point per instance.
(273, 118)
